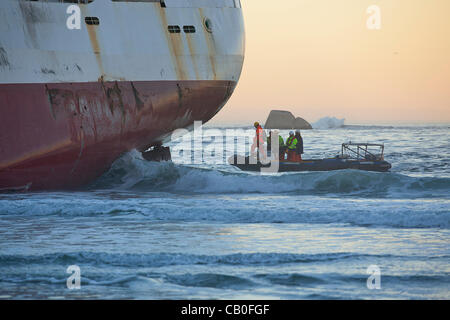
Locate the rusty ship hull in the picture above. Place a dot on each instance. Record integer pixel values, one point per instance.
(73, 101)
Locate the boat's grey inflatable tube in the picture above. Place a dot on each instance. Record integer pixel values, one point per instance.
(248, 164)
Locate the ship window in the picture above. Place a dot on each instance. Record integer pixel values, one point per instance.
(189, 29)
(208, 25)
(174, 29)
(92, 21)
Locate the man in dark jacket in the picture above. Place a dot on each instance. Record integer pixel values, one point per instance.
(299, 146)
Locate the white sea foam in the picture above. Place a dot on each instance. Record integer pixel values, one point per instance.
(132, 173)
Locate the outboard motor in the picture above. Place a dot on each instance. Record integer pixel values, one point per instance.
(157, 153)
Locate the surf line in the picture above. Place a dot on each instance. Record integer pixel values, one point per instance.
(193, 310)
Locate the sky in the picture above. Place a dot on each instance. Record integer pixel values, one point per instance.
(319, 58)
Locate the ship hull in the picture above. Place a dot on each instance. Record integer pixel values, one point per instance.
(72, 100)
(84, 127)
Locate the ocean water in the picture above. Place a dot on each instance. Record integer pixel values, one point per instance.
(209, 231)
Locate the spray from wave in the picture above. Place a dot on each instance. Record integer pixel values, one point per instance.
(328, 123)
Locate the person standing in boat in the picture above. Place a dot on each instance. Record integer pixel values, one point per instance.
(299, 147)
(291, 147)
(280, 143)
(269, 143)
(258, 141)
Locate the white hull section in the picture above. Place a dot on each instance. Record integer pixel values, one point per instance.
(131, 43)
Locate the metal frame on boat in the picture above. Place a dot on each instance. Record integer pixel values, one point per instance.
(362, 151)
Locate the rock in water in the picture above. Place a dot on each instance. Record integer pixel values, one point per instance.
(279, 119)
(300, 123)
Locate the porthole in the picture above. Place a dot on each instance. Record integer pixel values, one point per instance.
(208, 25)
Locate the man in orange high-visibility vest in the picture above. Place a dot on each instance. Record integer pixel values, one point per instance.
(258, 140)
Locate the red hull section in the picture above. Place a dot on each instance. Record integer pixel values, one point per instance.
(62, 136)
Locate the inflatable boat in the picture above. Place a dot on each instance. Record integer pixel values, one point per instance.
(353, 156)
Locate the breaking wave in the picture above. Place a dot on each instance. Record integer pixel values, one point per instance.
(328, 123)
(170, 192)
(132, 173)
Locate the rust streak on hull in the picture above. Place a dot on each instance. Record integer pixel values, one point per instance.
(209, 38)
(175, 43)
(192, 54)
(96, 49)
